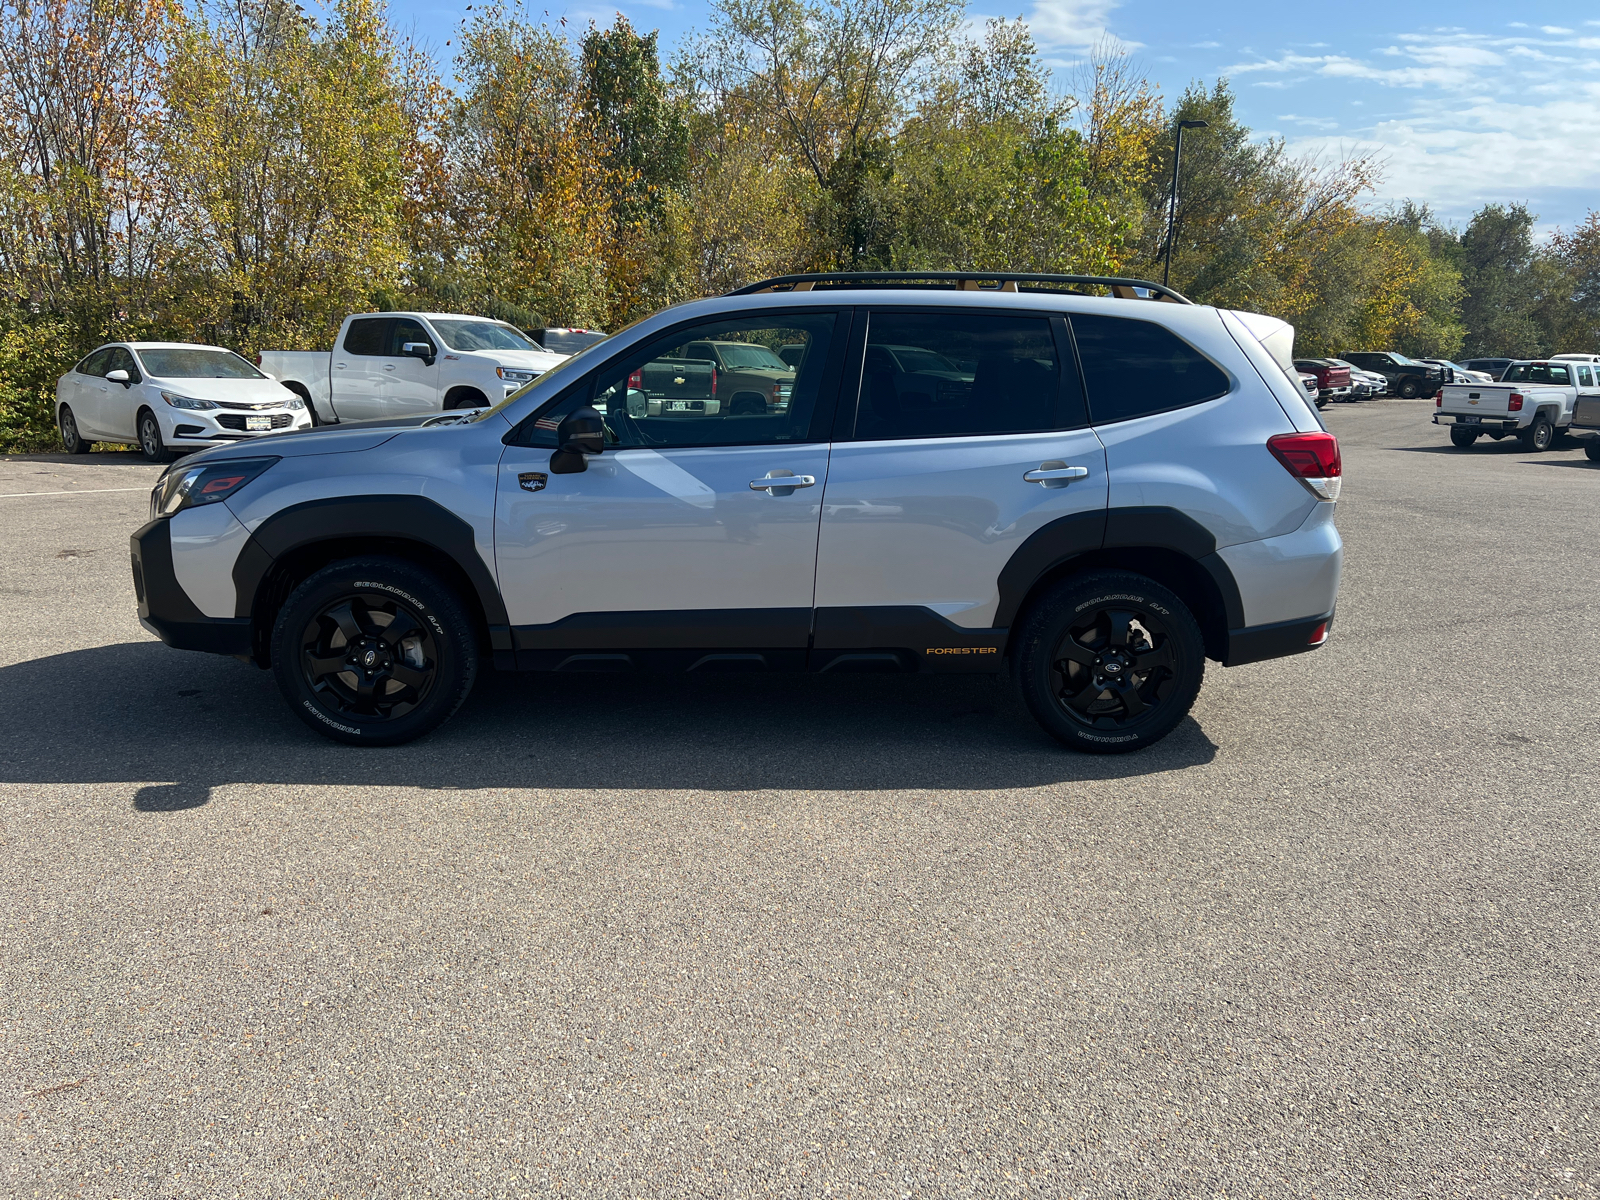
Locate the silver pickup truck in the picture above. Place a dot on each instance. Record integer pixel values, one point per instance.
(1534, 401)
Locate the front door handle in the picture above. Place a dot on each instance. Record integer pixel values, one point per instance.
(1055, 474)
(782, 483)
(388, 366)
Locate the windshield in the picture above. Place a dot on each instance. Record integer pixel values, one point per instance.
(740, 356)
(483, 335)
(582, 358)
(914, 359)
(197, 364)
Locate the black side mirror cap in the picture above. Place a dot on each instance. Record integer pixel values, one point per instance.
(581, 432)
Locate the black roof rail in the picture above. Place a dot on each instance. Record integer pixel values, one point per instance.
(967, 281)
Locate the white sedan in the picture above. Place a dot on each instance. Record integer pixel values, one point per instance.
(169, 397)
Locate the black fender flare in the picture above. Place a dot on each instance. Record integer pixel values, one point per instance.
(1146, 527)
(414, 519)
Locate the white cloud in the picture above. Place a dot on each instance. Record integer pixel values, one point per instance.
(1073, 25)
(1313, 122)
(1216, 45)
(1555, 29)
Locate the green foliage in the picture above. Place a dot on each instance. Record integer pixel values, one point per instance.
(35, 351)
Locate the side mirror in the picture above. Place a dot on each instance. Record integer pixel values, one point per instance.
(581, 432)
(420, 350)
(119, 376)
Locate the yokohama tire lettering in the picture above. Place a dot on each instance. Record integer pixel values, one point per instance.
(327, 720)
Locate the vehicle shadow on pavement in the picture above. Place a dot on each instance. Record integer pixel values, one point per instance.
(189, 722)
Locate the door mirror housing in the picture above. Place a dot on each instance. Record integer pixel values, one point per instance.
(421, 350)
(581, 432)
(119, 376)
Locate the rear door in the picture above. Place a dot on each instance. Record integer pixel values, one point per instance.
(86, 391)
(966, 435)
(357, 378)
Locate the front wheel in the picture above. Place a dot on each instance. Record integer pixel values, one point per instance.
(1539, 436)
(374, 651)
(1462, 437)
(151, 443)
(1110, 662)
(1409, 389)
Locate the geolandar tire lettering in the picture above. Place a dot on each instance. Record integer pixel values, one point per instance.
(374, 651)
(1109, 662)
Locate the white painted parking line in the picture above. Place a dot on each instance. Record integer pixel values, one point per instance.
(73, 492)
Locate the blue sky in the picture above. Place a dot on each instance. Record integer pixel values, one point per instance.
(1466, 103)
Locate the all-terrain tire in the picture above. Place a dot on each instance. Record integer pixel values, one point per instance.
(374, 651)
(1109, 661)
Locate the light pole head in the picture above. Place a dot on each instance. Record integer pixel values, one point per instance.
(1194, 124)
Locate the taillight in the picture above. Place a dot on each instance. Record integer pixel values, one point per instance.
(258, 358)
(1438, 399)
(1313, 459)
(713, 379)
(636, 380)
(1515, 403)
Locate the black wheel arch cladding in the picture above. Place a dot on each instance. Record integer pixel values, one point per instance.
(388, 523)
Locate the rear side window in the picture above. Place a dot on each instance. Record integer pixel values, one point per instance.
(369, 336)
(956, 374)
(1134, 368)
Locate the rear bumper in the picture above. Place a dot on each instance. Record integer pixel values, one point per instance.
(1261, 642)
(1496, 424)
(165, 608)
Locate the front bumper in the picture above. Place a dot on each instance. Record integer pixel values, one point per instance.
(165, 608)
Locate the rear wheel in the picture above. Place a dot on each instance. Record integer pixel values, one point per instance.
(374, 651)
(71, 440)
(1462, 437)
(151, 443)
(1539, 436)
(1591, 449)
(1110, 662)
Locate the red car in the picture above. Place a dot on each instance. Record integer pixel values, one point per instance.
(1333, 380)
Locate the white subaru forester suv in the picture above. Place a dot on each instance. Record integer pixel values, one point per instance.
(1094, 492)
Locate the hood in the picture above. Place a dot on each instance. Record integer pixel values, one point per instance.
(527, 360)
(299, 443)
(234, 391)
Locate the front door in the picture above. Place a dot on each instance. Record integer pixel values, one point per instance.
(357, 378)
(119, 403)
(970, 436)
(691, 542)
(411, 385)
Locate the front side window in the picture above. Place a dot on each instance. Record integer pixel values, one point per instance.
(1134, 368)
(482, 335)
(405, 330)
(961, 374)
(368, 336)
(96, 364)
(197, 364)
(671, 394)
(122, 360)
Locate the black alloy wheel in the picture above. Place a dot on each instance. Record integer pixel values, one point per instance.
(1110, 662)
(71, 440)
(374, 651)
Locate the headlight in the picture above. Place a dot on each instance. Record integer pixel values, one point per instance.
(513, 375)
(295, 403)
(178, 401)
(193, 486)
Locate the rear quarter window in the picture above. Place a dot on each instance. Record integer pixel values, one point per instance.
(1134, 368)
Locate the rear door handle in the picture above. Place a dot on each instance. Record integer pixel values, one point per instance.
(388, 366)
(1055, 474)
(782, 483)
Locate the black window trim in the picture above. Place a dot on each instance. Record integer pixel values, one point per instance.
(828, 397)
(105, 349)
(1088, 399)
(856, 365)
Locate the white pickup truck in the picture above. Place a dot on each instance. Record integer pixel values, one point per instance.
(1533, 401)
(403, 363)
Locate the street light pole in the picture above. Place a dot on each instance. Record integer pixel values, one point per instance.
(1172, 202)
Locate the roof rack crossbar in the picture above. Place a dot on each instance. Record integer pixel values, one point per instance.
(967, 281)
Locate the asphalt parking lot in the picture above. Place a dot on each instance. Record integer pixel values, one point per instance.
(1334, 937)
